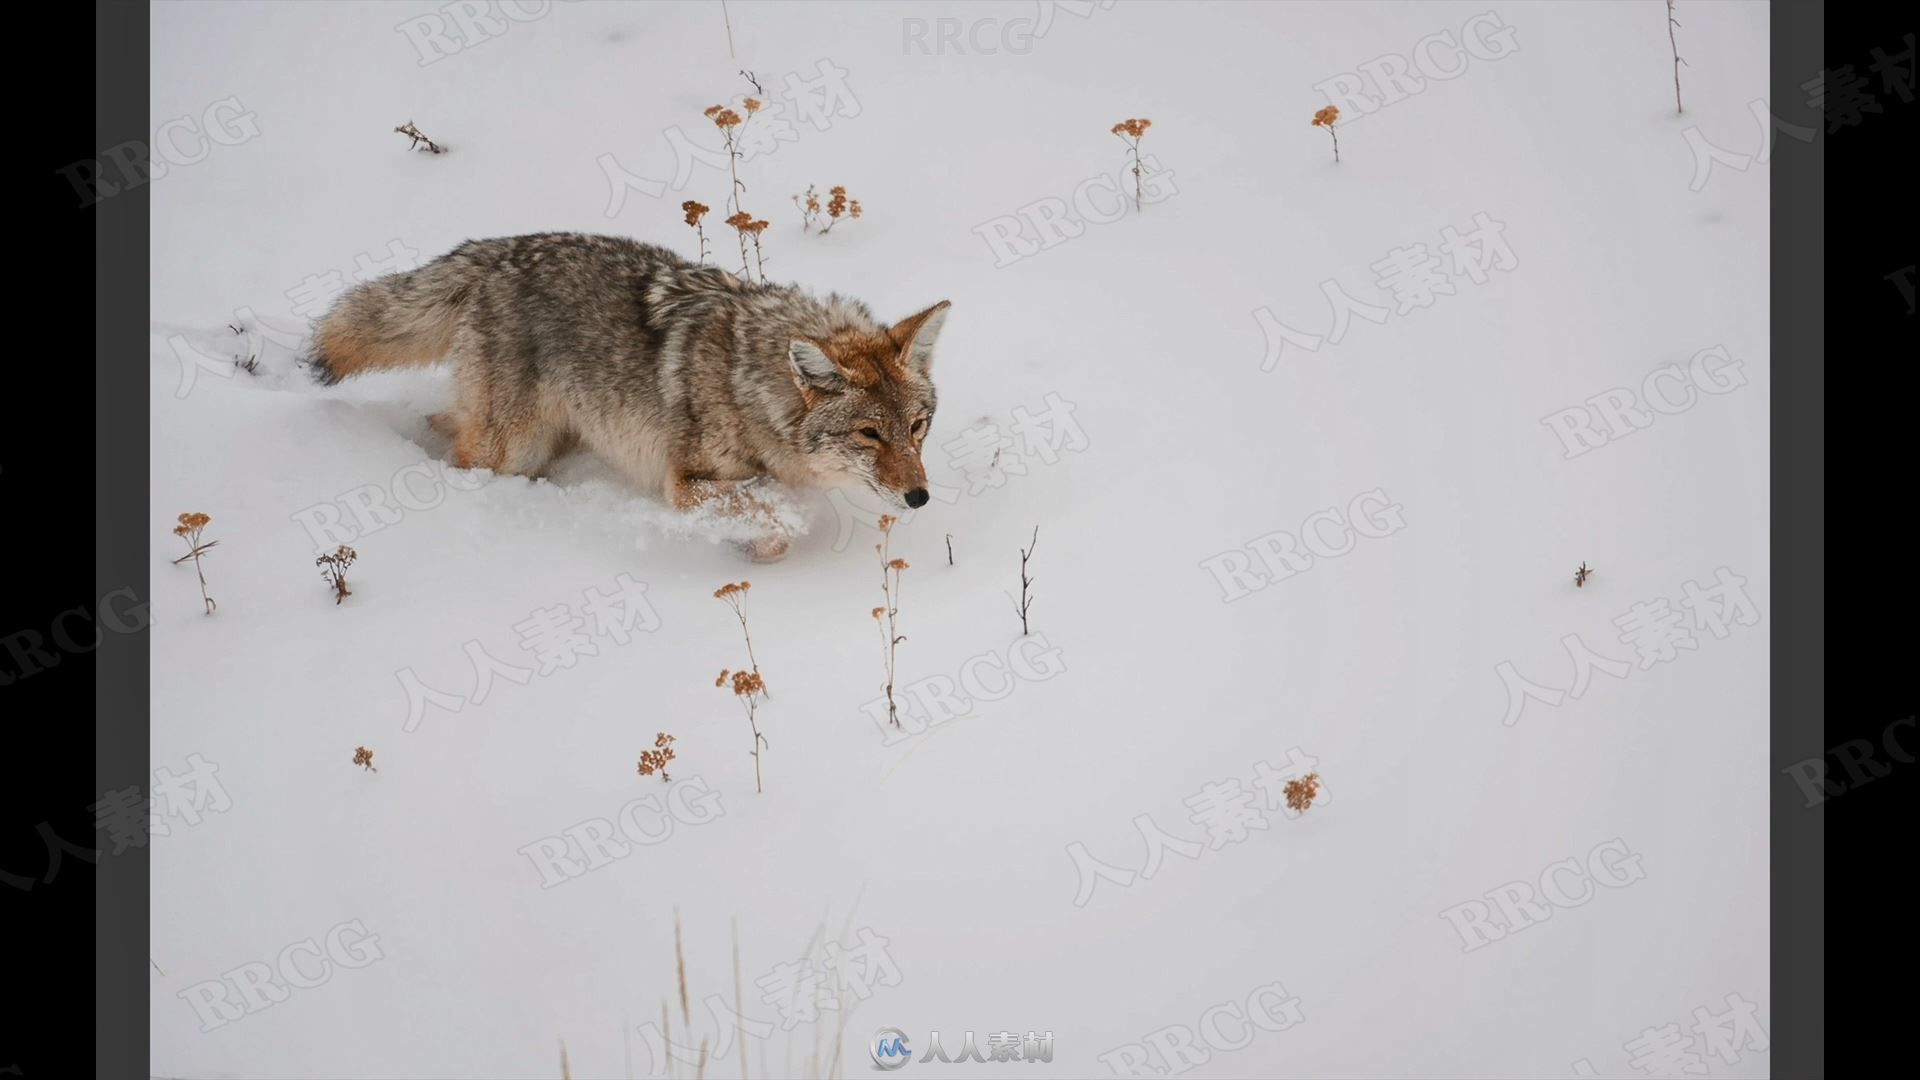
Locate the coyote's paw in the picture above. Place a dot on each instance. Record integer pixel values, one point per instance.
(766, 549)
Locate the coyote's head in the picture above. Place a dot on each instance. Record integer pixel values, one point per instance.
(868, 403)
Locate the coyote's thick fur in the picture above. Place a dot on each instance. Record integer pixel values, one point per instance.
(689, 379)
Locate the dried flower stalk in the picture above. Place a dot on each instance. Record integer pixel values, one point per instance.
(1325, 118)
(888, 617)
(1133, 130)
(748, 687)
(189, 529)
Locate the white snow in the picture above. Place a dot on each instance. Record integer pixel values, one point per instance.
(953, 845)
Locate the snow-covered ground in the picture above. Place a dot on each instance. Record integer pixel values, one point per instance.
(1088, 844)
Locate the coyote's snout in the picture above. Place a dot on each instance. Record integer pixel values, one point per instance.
(690, 380)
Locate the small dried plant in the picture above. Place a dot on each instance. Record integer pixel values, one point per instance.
(1581, 575)
(1672, 23)
(696, 211)
(1026, 583)
(420, 140)
(1130, 132)
(888, 617)
(1325, 118)
(750, 229)
(838, 208)
(189, 529)
(655, 760)
(333, 570)
(747, 228)
(748, 687)
(1300, 793)
(363, 757)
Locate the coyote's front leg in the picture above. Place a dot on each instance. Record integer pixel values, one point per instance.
(731, 499)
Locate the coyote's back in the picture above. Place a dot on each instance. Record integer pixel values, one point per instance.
(513, 289)
(689, 379)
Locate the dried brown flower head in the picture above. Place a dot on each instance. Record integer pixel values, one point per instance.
(695, 211)
(878, 612)
(726, 118)
(712, 111)
(191, 523)
(1136, 127)
(655, 760)
(853, 208)
(333, 569)
(897, 564)
(748, 683)
(341, 557)
(1300, 793)
(735, 589)
(752, 105)
(1325, 117)
(887, 522)
(363, 757)
(722, 680)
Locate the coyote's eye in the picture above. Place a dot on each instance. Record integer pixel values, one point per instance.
(871, 433)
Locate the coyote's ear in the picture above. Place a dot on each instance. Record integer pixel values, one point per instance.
(813, 370)
(916, 334)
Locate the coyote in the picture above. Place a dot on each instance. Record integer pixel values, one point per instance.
(693, 382)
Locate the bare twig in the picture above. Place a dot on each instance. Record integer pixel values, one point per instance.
(1026, 600)
(728, 19)
(419, 137)
(1677, 61)
(949, 549)
(1581, 575)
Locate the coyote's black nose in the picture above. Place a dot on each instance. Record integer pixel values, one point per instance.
(917, 498)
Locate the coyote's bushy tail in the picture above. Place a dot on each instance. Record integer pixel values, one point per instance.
(401, 320)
